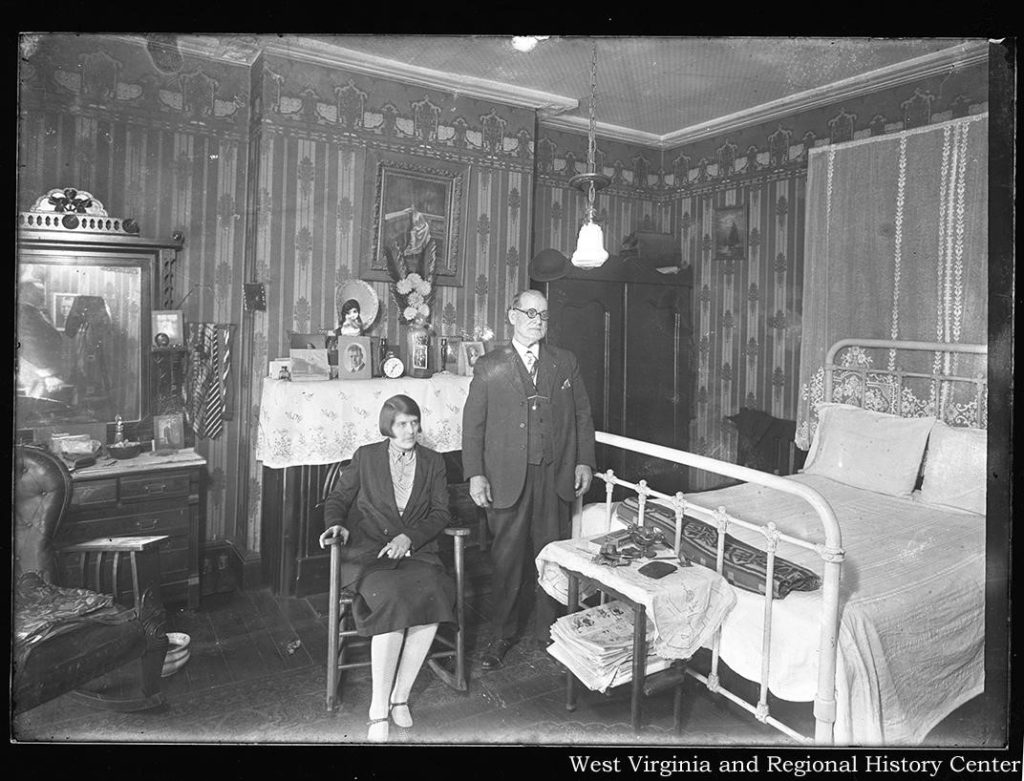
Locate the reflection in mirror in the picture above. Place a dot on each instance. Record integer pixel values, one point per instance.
(79, 331)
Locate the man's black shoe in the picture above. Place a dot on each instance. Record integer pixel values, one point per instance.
(491, 658)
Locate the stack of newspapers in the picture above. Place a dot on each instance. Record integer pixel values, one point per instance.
(596, 645)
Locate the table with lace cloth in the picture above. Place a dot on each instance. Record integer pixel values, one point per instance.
(307, 423)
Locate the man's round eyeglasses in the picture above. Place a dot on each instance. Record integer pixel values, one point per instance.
(532, 313)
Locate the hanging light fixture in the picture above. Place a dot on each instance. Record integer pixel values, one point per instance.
(590, 251)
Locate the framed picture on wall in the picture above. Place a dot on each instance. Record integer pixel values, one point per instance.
(730, 233)
(60, 306)
(418, 215)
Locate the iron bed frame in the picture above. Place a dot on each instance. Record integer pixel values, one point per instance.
(891, 379)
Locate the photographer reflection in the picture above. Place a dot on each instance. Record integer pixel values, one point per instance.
(40, 356)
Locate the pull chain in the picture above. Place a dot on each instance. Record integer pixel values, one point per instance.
(592, 138)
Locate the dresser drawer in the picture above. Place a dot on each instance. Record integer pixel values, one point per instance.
(90, 492)
(155, 486)
(170, 522)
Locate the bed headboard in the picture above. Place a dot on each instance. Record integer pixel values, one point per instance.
(911, 379)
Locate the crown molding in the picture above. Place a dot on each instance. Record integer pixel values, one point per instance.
(552, 108)
(959, 56)
(577, 124)
(331, 55)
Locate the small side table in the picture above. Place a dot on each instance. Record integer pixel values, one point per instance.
(641, 686)
(139, 554)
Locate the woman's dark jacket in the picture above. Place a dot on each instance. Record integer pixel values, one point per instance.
(363, 501)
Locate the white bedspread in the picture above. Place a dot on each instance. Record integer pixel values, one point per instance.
(912, 604)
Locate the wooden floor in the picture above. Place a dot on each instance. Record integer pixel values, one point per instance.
(256, 675)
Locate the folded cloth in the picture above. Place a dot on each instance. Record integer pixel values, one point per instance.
(686, 606)
(744, 565)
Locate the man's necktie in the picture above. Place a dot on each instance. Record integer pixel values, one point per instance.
(531, 365)
(213, 421)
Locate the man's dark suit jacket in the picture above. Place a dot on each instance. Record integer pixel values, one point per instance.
(363, 501)
(494, 420)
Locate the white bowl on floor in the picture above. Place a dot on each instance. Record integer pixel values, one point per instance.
(178, 652)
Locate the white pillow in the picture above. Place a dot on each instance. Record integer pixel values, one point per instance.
(954, 472)
(865, 449)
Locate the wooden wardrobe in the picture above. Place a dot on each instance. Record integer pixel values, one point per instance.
(631, 326)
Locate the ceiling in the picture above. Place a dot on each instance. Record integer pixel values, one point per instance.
(655, 90)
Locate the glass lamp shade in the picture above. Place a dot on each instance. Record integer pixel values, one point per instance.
(590, 251)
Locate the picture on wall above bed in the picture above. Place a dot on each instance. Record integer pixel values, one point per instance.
(730, 233)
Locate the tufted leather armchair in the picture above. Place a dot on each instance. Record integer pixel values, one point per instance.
(66, 637)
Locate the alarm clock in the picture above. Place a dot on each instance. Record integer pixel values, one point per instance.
(393, 367)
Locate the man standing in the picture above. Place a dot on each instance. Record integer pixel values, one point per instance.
(528, 450)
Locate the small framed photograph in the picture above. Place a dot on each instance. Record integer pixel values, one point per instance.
(730, 228)
(469, 352)
(168, 433)
(355, 358)
(446, 354)
(310, 365)
(168, 328)
(279, 369)
(60, 306)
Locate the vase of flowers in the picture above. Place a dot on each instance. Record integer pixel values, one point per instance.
(413, 291)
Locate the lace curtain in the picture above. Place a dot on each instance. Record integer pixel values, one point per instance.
(896, 248)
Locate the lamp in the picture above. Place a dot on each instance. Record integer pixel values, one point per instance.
(590, 251)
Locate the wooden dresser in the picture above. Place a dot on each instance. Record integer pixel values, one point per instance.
(148, 494)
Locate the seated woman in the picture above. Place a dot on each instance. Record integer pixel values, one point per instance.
(388, 506)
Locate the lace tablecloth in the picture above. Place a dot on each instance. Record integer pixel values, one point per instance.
(324, 422)
(686, 606)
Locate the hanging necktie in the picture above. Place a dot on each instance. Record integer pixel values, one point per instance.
(213, 420)
(195, 386)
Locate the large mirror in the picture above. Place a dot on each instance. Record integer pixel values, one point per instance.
(84, 302)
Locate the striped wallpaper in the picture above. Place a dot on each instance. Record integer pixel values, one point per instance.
(264, 171)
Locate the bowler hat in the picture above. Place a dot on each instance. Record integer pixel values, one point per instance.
(548, 265)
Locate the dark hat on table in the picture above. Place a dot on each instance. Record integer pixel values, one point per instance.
(548, 265)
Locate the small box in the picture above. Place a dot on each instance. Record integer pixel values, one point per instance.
(279, 369)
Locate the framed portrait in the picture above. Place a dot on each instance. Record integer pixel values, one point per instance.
(309, 364)
(730, 233)
(168, 328)
(355, 358)
(60, 306)
(446, 354)
(418, 215)
(469, 352)
(168, 433)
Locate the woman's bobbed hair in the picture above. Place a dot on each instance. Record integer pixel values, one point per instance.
(393, 406)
